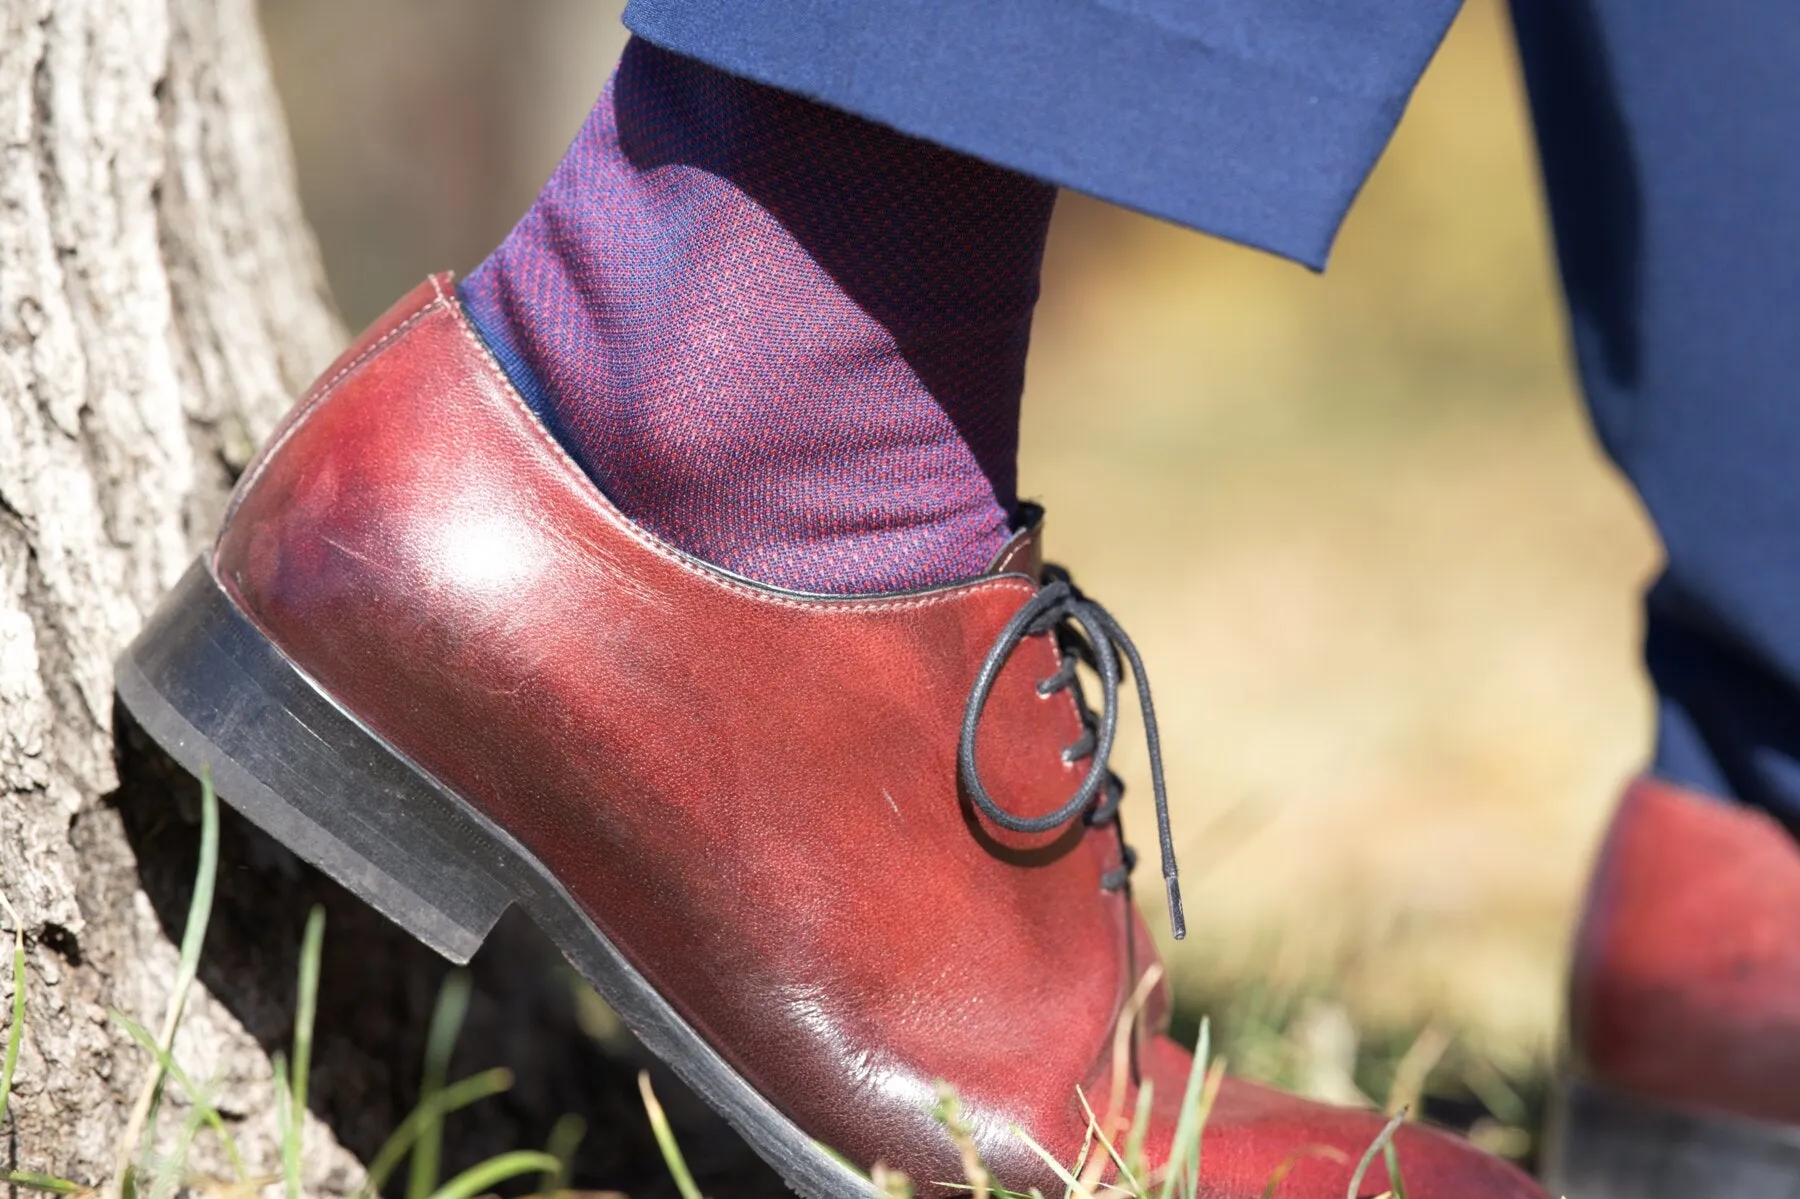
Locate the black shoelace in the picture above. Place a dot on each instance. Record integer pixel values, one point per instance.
(1085, 632)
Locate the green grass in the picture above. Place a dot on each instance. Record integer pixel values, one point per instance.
(16, 1034)
(440, 1041)
(152, 1165)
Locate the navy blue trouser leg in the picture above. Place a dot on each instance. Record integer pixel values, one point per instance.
(1255, 120)
(1670, 135)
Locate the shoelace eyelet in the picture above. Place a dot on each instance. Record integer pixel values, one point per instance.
(1086, 632)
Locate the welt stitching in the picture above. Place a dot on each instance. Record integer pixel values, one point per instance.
(317, 394)
(626, 526)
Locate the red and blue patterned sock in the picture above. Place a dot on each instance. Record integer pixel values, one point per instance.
(787, 340)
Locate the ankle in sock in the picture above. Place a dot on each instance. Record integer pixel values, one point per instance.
(786, 340)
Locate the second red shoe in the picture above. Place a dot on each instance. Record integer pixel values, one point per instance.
(1684, 1022)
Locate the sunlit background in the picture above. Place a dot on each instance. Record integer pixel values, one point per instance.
(1359, 525)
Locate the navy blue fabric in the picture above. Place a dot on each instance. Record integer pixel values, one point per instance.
(1670, 134)
(1256, 120)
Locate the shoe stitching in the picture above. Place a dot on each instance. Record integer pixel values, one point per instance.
(325, 388)
(598, 501)
(317, 394)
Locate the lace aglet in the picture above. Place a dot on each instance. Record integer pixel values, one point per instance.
(1177, 920)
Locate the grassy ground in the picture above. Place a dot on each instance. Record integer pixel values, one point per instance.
(1358, 524)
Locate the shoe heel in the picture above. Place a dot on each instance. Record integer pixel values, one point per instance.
(217, 695)
(1605, 1145)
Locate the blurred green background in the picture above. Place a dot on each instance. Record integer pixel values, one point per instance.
(1385, 582)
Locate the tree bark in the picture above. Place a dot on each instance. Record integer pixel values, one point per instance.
(160, 297)
(160, 300)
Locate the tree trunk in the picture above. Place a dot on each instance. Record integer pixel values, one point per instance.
(160, 300)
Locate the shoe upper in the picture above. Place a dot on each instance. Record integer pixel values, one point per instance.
(1686, 982)
(753, 793)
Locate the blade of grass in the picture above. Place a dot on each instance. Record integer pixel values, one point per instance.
(170, 1170)
(1123, 1033)
(839, 1158)
(43, 1182)
(1368, 1159)
(565, 1139)
(1085, 1161)
(1187, 1128)
(947, 1111)
(1329, 1153)
(1140, 1127)
(14, 1035)
(1390, 1154)
(440, 1040)
(1496, 1093)
(284, 1101)
(995, 1190)
(1125, 1170)
(891, 1183)
(1067, 1179)
(665, 1140)
(142, 1036)
(192, 938)
(479, 1179)
(306, 1009)
(1209, 1093)
(1414, 1069)
(457, 1095)
(203, 1186)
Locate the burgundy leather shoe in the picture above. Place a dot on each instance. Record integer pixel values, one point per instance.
(1684, 1016)
(819, 852)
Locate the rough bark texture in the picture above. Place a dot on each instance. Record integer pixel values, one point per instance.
(159, 297)
(160, 300)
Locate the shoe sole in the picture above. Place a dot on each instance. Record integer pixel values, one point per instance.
(1605, 1145)
(217, 695)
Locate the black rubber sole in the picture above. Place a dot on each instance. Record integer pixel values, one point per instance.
(1605, 1145)
(213, 691)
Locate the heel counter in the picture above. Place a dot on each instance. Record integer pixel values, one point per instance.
(1591, 934)
(1687, 978)
(273, 466)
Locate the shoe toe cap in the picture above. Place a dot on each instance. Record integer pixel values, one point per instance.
(1256, 1135)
